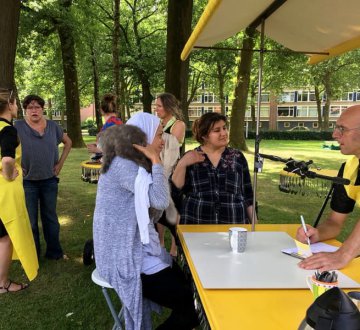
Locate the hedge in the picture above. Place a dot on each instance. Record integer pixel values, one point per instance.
(288, 135)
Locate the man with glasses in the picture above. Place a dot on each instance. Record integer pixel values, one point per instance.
(41, 165)
(347, 134)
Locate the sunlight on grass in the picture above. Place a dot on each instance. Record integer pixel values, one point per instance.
(65, 221)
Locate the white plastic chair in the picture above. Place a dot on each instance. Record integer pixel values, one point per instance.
(118, 318)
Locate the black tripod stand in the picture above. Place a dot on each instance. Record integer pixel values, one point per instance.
(301, 168)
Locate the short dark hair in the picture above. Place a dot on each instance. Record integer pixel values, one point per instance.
(32, 97)
(202, 126)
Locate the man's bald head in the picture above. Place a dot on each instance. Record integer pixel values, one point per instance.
(353, 114)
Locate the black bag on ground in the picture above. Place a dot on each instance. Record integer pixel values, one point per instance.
(88, 253)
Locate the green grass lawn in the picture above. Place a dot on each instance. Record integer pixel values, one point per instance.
(63, 295)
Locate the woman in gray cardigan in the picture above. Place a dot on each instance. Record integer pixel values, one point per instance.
(132, 193)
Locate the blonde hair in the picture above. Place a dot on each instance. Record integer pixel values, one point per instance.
(171, 104)
(6, 96)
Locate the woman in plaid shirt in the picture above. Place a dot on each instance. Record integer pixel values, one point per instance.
(211, 184)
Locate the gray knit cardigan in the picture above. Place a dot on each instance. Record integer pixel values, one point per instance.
(118, 249)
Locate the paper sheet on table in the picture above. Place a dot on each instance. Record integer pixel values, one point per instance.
(315, 248)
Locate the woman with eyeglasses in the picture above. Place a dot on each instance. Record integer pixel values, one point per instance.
(16, 239)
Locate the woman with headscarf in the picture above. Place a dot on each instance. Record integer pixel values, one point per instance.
(132, 193)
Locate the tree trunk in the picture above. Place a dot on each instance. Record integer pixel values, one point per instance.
(20, 114)
(116, 58)
(253, 92)
(98, 119)
(221, 82)
(318, 107)
(124, 97)
(49, 109)
(178, 31)
(237, 139)
(147, 98)
(9, 23)
(67, 44)
(328, 92)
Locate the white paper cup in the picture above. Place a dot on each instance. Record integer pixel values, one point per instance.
(237, 239)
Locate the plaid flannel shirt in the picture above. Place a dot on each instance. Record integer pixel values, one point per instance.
(215, 195)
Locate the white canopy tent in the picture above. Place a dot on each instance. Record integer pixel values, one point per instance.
(318, 28)
(322, 26)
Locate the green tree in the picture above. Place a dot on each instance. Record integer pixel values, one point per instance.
(58, 17)
(142, 28)
(238, 109)
(178, 31)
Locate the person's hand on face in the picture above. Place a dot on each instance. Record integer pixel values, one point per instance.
(150, 151)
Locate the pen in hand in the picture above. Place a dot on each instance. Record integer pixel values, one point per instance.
(305, 230)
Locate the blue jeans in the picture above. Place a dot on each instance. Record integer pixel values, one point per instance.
(43, 194)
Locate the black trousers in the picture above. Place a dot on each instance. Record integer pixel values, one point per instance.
(169, 288)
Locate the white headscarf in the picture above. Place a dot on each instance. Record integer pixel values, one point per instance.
(149, 124)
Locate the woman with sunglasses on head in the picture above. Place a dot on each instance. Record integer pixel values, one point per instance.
(167, 108)
(16, 239)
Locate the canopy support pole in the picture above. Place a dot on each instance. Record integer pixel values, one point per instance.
(258, 162)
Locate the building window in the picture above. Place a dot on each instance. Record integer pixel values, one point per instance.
(195, 112)
(301, 111)
(264, 111)
(306, 96)
(265, 97)
(347, 96)
(335, 111)
(285, 111)
(313, 111)
(209, 97)
(358, 96)
(315, 125)
(286, 124)
(287, 97)
(301, 124)
(331, 125)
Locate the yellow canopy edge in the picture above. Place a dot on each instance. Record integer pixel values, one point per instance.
(204, 19)
(337, 50)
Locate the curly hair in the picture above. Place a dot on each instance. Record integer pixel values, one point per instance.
(118, 140)
(203, 125)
